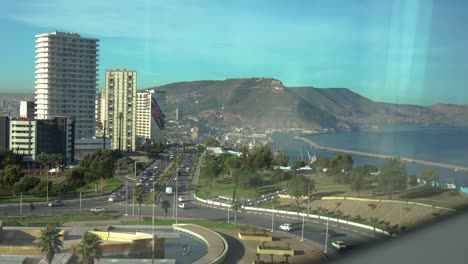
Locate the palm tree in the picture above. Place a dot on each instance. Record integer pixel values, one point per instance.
(235, 205)
(165, 205)
(139, 194)
(89, 248)
(49, 242)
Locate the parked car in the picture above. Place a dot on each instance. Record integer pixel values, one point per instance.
(182, 198)
(331, 233)
(339, 245)
(182, 205)
(55, 203)
(286, 227)
(98, 210)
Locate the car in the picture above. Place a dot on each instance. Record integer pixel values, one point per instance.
(182, 205)
(55, 203)
(286, 227)
(182, 198)
(339, 245)
(331, 233)
(98, 210)
(113, 199)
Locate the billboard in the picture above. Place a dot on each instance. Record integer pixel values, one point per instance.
(158, 116)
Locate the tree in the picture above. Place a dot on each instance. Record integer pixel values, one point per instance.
(75, 177)
(44, 160)
(7, 157)
(139, 194)
(232, 163)
(359, 178)
(49, 242)
(9, 176)
(211, 142)
(281, 159)
(99, 166)
(299, 186)
(235, 205)
(276, 177)
(26, 184)
(322, 162)
(90, 248)
(165, 206)
(429, 176)
(413, 180)
(393, 177)
(298, 164)
(286, 257)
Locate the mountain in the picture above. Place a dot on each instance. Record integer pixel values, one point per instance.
(266, 103)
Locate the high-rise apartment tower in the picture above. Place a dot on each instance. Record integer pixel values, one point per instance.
(120, 94)
(66, 79)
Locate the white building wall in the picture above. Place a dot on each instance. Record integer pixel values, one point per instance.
(23, 136)
(66, 79)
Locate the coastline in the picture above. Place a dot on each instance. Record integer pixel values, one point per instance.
(380, 156)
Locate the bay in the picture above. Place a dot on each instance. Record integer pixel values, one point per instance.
(443, 144)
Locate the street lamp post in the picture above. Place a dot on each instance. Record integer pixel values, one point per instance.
(326, 238)
(176, 191)
(302, 233)
(272, 216)
(152, 244)
(228, 211)
(133, 204)
(126, 198)
(308, 199)
(80, 201)
(135, 169)
(47, 188)
(21, 204)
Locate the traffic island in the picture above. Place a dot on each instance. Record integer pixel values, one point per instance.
(256, 237)
(275, 250)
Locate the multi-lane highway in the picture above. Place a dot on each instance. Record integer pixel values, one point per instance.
(353, 237)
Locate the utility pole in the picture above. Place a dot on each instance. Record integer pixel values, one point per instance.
(80, 201)
(302, 233)
(326, 238)
(272, 215)
(152, 244)
(126, 198)
(21, 204)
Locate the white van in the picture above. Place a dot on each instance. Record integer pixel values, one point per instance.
(169, 190)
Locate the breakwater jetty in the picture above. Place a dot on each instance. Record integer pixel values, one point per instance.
(380, 156)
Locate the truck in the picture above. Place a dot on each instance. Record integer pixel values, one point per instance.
(168, 190)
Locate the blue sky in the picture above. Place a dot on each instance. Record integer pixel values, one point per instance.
(405, 51)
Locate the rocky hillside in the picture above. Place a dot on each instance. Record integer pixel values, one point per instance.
(267, 103)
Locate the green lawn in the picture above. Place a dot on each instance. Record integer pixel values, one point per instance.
(53, 220)
(326, 183)
(204, 223)
(87, 191)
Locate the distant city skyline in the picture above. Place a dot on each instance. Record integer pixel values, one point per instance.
(410, 52)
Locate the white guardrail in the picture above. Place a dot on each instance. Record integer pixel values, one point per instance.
(336, 220)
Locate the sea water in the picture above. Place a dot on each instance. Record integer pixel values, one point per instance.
(442, 144)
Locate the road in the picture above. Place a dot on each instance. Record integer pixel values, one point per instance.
(353, 237)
